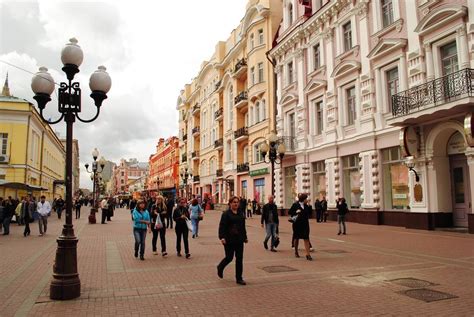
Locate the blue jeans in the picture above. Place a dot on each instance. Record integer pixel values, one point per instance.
(271, 232)
(140, 235)
(195, 223)
(6, 225)
(341, 220)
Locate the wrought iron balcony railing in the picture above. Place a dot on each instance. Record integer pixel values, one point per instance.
(218, 84)
(241, 63)
(219, 172)
(219, 143)
(436, 92)
(244, 167)
(196, 107)
(196, 178)
(194, 154)
(185, 137)
(184, 158)
(218, 113)
(243, 95)
(289, 141)
(241, 132)
(195, 130)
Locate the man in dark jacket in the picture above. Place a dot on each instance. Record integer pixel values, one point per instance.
(270, 219)
(342, 210)
(59, 205)
(243, 205)
(169, 212)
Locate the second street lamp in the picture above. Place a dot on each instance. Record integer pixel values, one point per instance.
(94, 172)
(275, 149)
(66, 283)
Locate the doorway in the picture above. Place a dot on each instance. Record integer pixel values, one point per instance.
(460, 189)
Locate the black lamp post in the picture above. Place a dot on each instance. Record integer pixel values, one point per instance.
(275, 149)
(184, 176)
(94, 173)
(66, 283)
(410, 163)
(158, 183)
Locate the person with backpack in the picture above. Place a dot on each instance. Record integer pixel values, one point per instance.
(196, 213)
(342, 210)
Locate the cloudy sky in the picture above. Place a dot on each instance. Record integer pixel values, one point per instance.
(151, 50)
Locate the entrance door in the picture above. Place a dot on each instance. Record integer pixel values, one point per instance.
(460, 190)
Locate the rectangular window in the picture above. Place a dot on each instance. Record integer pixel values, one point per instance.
(317, 56)
(290, 186)
(351, 178)
(244, 189)
(347, 36)
(319, 180)
(258, 155)
(261, 39)
(252, 75)
(251, 41)
(449, 58)
(351, 106)
(259, 190)
(319, 117)
(387, 12)
(260, 72)
(3, 143)
(292, 124)
(290, 73)
(392, 84)
(395, 180)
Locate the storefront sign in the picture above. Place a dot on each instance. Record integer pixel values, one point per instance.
(469, 128)
(418, 193)
(409, 140)
(456, 144)
(260, 171)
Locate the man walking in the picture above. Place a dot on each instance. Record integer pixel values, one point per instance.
(59, 206)
(44, 208)
(104, 205)
(169, 212)
(270, 219)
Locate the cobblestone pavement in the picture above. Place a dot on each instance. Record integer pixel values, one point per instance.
(371, 271)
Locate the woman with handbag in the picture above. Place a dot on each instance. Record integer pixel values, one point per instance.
(180, 216)
(233, 235)
(141, 221)
(158, 215)
(196, 216)
(299, 213)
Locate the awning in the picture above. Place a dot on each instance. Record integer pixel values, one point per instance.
(22, 186)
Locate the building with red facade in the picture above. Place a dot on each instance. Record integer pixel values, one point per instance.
(163, 166)
(126, 173)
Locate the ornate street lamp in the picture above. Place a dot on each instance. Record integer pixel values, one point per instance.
(184, 176)
(94, 173)
(275, 149)
(410, 163)
(158, 183)
(66, 283)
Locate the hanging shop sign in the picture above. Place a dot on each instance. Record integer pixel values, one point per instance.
(469, 128)
(409, 141)
(260, 171)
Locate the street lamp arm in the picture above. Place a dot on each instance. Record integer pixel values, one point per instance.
(89, 120)
(49, 121)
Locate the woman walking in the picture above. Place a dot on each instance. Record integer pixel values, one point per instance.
(233, 235)
(159, 210)
(196, 215)
(141, 220)
(181, 228)
(299, 213)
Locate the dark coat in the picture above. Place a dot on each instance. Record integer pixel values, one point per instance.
(180, 222)
(232, 227)
(267, 209)
(301, 225)
(342, 208)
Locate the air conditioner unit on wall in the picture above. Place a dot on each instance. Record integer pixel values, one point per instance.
(4, 159)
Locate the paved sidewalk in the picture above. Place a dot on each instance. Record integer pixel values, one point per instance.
(371, 271)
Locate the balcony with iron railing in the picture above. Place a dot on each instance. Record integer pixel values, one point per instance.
(240, 68)
(196, 178)
(185, 137)
(220, 172)
(195, 130)
(433, 97)
(219, 114)
(196, 108)
(243, 167)
(241, 99)
(184, 158)
(218, 85)
(289, 141)
(195, 155)
(241, 134)
(219, 144)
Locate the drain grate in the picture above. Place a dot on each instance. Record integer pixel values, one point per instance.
(412, 282)
(278, 269)
(334, 251)
(427, 295)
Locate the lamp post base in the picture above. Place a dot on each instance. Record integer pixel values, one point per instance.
(92, 218)
(65, 284)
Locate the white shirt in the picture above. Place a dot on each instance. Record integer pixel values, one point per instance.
(104, 204)
(44, 208)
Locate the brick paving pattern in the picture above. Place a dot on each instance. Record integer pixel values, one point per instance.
(355, 275)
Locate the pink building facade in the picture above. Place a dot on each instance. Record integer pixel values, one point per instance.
(378, 96)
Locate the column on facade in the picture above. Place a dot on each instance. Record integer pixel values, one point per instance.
(369, 179)
(303, 178)
(402, 65)
(333, 181)
(279, 117)
(278, 187)
(461, 38)
(300, 107)
(429, 62)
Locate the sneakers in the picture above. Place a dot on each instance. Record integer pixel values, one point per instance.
(273, 250)
(241, 282)
(188, 255)
(142, 258)
(164, 253)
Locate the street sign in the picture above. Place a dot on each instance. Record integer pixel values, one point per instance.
(260, 171)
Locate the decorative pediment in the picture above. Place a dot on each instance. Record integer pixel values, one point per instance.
(386, 46)
(256, 96)
(439, 17)
(288, 98)
(315, 84)
(345, 67)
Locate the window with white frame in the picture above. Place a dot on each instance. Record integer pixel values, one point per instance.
(228, 154)
(203, 120)
(289, 71)
(347, 36)
(212, 166)
(317, 4)
(319, 180)
(318, 110)
(247, 123)
(230, 103)
(257, 158)
(351, 178)
(251, 116)
(387, 12)
(251, 41)
(292, 124)
(263, 108)
(261, 38)
(351, 106)
(392, 84)
(260, 72)
(290, 14)
(257, 112)
(252, 75)
(449, 58)
(316, 56)
(246, 154)
(3, 143)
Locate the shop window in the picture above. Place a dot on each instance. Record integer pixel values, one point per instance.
(259, 190)
(290, 186)
(395, 180)
(351, 178)
(319, 180)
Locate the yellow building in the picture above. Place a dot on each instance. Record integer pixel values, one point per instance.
(32, 158)
(226, 111)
